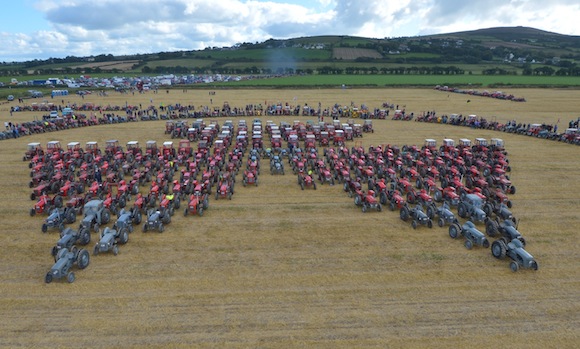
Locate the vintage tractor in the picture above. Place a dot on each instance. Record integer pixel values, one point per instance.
(472, 235)
(65, 259)
(197, 204)
(443, 213)
(306, 180)
(57, 219)
(276, 165)
(368, 126)
(126, 219)
(447, 194)
(154, 221)
(95, 214)
(370, 202)
(514, 249)
(473, 207)
(507, 228)
(68, 239)
(250, 177)
(110, 240)
(45, 204)
(224, 190)
(417, 214)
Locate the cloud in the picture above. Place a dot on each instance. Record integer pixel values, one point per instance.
(84, 28)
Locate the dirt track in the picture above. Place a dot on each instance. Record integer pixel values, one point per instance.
(280, 267)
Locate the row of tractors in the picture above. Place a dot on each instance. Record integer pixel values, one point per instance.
(98, 183)
(425, 184)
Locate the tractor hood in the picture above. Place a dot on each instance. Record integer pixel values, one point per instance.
(60, 266)
(65, 240)
(107, 239)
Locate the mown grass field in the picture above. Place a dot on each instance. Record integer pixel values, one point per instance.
(277, 267)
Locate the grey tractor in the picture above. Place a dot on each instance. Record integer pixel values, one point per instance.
(473, 237)
(95, 214)
(514, 250)
(110, 240)
(473, 207)
(65, 260)
(69, 238)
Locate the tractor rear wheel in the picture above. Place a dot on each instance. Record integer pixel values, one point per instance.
(124, 236)
(404, 213)
(498, 249)
(462, 210)
(83, 258)
(491, 228)
(468, 244)
(454, 230)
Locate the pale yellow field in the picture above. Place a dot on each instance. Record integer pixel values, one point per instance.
(278, 267)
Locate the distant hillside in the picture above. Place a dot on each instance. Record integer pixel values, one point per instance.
(491, 51)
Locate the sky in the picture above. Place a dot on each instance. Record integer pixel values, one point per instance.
(42, 29)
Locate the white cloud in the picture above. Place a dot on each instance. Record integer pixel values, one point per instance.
(142, 26)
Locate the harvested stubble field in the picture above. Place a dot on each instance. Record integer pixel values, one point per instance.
(277, 267)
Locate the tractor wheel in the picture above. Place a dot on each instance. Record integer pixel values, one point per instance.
(512, 189)
(438, 196)
(32, 212)
(357, 200)
(404, 213)
(229, 196)
(185, 212)
(138, 218)
(58, 201)
(32, 196)
(71, 216)
(379, 207)
(468, 244)
(414, 224)
(364, 208)
(97, 228)
(454, 230)
(48, 278)
(161, 228)
(534, 265)
(430, 223)
(383, 198)
(124, 236)
(115, 250)
(462, 210)
(514, 266)
(440, 222)
(105, 216)
(485, 243)
(44, 228)
(314, 185)
(244, 182)
(122, 201)
(522, 240)
(145, 227)
(177, 203)
(498, 249)
(509, 204)
(430, 211)
(96, 250)
(392, 206)
(411, 197)
(83, 258)
(488, 209)
(85, 237)
(302, 185)
(200, 211)
(171, 211)
(205, 204)
(491, 228)
(70, 277)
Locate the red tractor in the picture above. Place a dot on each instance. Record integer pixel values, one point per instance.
(224, 190)
(370, 202)
(306, 180)
(197, 204)
(45, 204)
(447, 194)
(250, 176)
